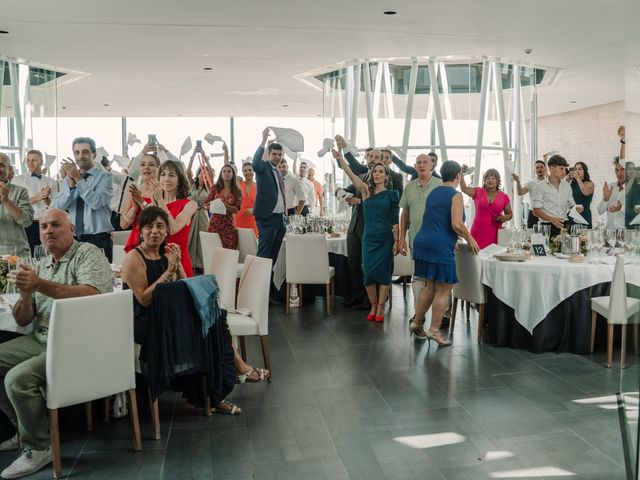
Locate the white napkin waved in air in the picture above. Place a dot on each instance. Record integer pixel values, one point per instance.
(327, 145)
(186, 146)
(217, 207)
(123, 162)
(132, 139)
(289, 138)
(575, 215)
(49, 159)
(210, 139)
(636, 219)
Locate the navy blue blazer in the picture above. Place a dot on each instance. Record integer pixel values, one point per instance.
(266, 185)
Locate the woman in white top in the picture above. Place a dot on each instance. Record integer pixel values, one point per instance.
(613, 198)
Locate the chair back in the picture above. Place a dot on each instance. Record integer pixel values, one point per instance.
(118, 254)
(208, 242)
(403, 264)
(307, 259)
(469, 269)
(247, 243)
(254, 290)
(90, 348)
(618, 294)
(502, 237)
(224, 267)
(120, 238)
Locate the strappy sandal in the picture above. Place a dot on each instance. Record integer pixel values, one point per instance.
(438, 338)
(417, 331)
(227, 408)
(263, 376)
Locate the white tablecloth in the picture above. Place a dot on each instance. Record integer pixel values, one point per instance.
(535, 287)
(336, 245)
(7, 321)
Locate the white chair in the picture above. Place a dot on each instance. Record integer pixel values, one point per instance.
(120, 238)
(118, 254)
(307, 261)
(208, 242)
(469, 287)
(224, 265)
(89, 357)
(617, 309)
(252, 315)
(402, 267)
(247, 243)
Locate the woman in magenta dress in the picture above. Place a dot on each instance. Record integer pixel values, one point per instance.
(227, 190)
(493, 207)
(171, 193)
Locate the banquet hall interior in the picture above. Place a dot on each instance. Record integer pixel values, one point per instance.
(542, 376)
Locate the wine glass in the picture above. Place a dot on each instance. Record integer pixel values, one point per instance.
(599, 239)
(511, 238)
(522, 237)
(611, 236)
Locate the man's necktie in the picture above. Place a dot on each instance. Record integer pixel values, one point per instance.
(80, 211)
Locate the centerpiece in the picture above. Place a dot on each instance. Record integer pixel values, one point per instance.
(7, 263)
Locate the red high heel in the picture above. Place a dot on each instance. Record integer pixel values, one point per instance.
(380, 318)
(372, 316)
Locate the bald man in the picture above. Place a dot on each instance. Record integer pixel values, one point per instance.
(73, 269)
(16, 212)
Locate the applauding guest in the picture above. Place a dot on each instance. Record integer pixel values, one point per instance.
(16, 211)
(74, 269)
(433, 252)
(553, 198)
(244, 218)
(613, 198)
(582, 188)
(381, 239)
(226, 189)
(86, 195)
(493, 207)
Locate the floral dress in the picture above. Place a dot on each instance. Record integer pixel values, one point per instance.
(223, 224)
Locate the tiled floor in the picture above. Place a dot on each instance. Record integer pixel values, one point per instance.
(356, 400)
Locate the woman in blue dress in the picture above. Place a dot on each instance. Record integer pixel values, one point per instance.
(433, 252)
(380, 239)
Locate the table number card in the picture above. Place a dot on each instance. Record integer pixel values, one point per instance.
(538, 250)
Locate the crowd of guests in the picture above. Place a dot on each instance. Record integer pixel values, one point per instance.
(168, 204)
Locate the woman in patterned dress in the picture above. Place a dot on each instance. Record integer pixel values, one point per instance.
(227, 190)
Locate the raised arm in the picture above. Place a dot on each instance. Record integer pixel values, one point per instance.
(359, 184)
(464, 187)
(520, 189)
(403, 167)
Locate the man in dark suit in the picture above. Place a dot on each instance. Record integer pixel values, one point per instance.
(269, 207)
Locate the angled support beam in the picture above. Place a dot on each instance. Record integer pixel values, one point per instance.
(368, 103)
(413, 80)
(433, 77)
(484, 89)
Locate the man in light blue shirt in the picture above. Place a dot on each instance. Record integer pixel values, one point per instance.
(86, 194)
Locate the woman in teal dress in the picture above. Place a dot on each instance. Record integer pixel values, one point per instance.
(380, 239)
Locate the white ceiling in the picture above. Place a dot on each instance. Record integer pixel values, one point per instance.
(146, 58)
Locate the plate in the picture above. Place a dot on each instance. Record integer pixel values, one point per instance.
(512, 257)
(561, 255)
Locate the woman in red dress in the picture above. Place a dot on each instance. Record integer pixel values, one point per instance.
(171, 193)
(226, 189)
(138, 198)
(245, 218)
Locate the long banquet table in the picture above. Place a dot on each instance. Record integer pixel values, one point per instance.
(544, 304)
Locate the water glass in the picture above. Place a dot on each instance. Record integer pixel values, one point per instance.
(39, 252)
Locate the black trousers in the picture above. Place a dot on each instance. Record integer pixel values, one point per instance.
(304, 212)
(354, 252)
(100, 240)
(33, 235)
(271, 231)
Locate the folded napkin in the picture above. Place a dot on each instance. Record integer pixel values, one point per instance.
(573, 213)
(636, 219)
(493, 249)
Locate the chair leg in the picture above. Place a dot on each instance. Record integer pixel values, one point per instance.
(266, 354)
(404, 287)
(333, 291)
(480, 322)
(135, 421)
(623, 352)
(453, 315)
(107, 404)
(287, 301)
(609, 344)
(327, 292)
(207, 398)
(243, 348)
(468, 310)
(594, 315)
(54, 430)
(299, 287)
(635, 338)
(88, 412)
(155, 415)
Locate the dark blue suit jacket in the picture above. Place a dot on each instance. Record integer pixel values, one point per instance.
(267, 186)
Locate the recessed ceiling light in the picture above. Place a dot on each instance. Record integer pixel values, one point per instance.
(573, 101)
(64, 108)
(105, 104)
(4, 32)
(206, 54)
(9, 106)
(285, 106)
(208, 68)
(390, 12)
(178, 114)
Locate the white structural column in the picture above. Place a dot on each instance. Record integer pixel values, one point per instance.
(413, 80)
(388, 89)
(508, 165)
(368, 103)
(445, 90)
(484, 89)
(433, 77)
(357, 73)
(517, 136)
(533, 127)
(348, 101)
(377, 90)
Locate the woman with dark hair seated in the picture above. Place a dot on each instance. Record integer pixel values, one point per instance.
(433, 252)
(153, 262)
(582, 188)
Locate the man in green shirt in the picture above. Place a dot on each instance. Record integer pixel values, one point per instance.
(412, 202)
(73, 269)
(16, 212)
